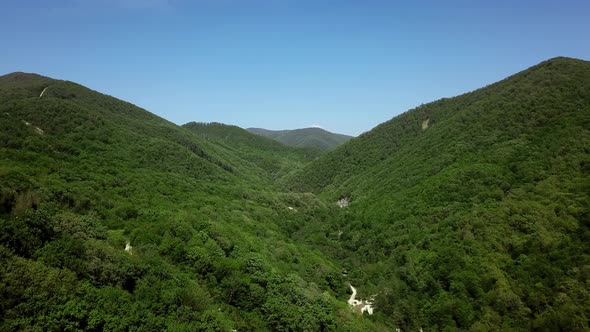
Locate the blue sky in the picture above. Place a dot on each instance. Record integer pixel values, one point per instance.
(280, 64)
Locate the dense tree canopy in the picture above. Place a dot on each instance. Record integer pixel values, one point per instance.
(468, 213)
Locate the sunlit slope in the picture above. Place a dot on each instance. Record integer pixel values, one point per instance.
(95, 143)
(114, 219)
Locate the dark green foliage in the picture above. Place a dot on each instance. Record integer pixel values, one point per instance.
(315, 138)
(25, 234)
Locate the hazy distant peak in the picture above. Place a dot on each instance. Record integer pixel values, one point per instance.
(312, 137)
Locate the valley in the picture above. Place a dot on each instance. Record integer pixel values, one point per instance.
(466, 213)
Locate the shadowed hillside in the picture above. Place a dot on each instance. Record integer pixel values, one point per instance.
(472, 212)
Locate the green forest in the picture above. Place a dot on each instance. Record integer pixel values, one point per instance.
(467, 213)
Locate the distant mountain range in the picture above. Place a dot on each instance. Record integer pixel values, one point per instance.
(270, 157)
(305, 137)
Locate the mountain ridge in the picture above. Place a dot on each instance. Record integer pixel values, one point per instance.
(381, 151)
(305, 137)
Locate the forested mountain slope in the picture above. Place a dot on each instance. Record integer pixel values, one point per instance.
(271, 157)
(472, 212)
(305, 137)
(114, 219)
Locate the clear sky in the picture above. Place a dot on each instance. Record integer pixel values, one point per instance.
(280, 64)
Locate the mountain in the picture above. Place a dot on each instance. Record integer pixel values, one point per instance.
(268, 155)
(112, 218)
(472, 212)
(306, 137)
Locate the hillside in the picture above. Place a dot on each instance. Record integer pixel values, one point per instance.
(114, 219)
(471, 212)
(305, 137)
(271, 157)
